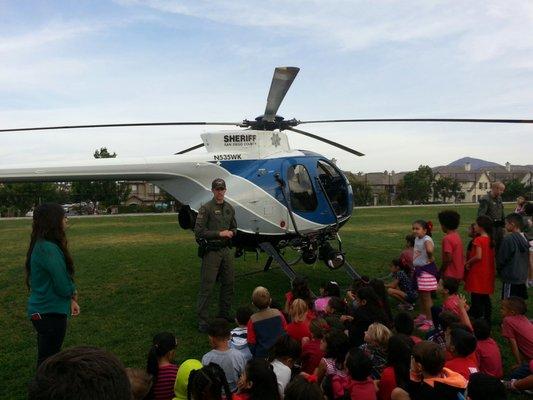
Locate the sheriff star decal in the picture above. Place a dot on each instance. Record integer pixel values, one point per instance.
(276, 140)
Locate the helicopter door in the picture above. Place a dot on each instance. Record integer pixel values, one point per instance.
(335, 186)
(302, 193)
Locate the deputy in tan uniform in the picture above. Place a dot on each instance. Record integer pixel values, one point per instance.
(215, 228)
(491, 205)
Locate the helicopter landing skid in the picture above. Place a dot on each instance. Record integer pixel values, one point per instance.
(273, 255)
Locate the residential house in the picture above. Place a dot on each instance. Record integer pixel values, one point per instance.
(144, 193)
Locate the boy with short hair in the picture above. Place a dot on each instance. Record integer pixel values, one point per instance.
(487, 350)
(462, 345)
(452, 246)
(264, 326)
(513, 259)
(239, 335)
(230, 360)
(517, 328)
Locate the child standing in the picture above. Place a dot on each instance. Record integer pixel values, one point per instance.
(298, 328)
(160, 365)
(266, 325)
(513, 259)
(230, 360)
(311, 351)
(239, 335)
(452, 247)
(402, 288)
(487, 350)
(425, 272)
(375, 347)
(479, 281)
(517, 328)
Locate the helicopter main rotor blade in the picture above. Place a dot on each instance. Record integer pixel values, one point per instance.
(338, 145)
(281, 82)
(190, 149)
(474, 120)
(44, 128)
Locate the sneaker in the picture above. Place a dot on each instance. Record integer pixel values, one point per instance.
(420, 319)
(426, 326)
(405, 307)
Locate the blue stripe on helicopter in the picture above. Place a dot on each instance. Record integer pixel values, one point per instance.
(261, 173)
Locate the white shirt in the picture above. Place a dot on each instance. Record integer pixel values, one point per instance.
(420, 255)
(283, 375)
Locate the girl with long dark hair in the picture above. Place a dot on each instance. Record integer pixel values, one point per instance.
(160, 364)
(50, 279)
(396, 372)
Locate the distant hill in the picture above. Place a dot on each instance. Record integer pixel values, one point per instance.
(475, 163)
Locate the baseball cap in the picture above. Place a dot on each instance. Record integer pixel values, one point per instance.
(218, 184)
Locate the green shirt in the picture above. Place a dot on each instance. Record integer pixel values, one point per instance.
(51, 285)
(212, 219)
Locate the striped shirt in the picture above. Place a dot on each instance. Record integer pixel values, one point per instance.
(164, 386)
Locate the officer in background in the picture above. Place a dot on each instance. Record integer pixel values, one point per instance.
(491, 205)
(215, 227)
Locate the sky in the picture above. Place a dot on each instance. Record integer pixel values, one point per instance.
(90, 62)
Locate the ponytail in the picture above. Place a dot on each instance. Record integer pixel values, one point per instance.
(162, 343)
(427, 225)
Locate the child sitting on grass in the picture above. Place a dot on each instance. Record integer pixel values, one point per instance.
(461, 343)
(375, 347)
(303, 388)
(284, 354)
(367, 312)
(208, 383)
(258, 382)
(299, 290)
(396, 372)
(402, 288)
(438, 336)
(230, 360)
(517, 328)
(487, 350)
(266, 325)
(406, 256)
(239, 335)
(448, 288)
(482, 387)
(311, 351)
(330, 289)
(335, 346)
(334, 311)
(182, 378)
(298, 328)
(404, 324)
(359, 385)
(160, 365)
(429, 378)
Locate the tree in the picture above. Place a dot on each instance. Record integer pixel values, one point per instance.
(24, 196)
(513, 189)
(106, 192)
(362, 192)
(446, 187)
(416, 186)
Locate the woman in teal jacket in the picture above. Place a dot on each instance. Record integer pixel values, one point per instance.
(49, 276)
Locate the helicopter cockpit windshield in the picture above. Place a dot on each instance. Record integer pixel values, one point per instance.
(303, 196)
(335, 186)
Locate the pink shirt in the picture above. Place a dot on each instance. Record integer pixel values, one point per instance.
(451, 243)
(489, 358)
(452, 304)
(519, 328)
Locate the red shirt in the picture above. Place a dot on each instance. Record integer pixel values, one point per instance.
(311, 356)
(415, 339)
(489, 358)
(519, 328)
(451, 243)
(480, 276)
(452, 304)
(387, 383)
(362, 390)
(298, 330)
(464, 365)
(164, 387)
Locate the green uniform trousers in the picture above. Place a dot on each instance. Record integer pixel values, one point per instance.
(216, 265)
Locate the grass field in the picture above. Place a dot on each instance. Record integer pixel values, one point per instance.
(139, 275)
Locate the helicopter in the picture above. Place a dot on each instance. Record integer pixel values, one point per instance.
(283, 197)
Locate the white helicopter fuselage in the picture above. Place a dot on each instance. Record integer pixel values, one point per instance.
(188, 177)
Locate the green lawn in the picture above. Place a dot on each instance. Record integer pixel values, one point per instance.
(139, 275)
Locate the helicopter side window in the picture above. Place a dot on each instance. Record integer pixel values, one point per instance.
(335, 186)
(303, 196)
